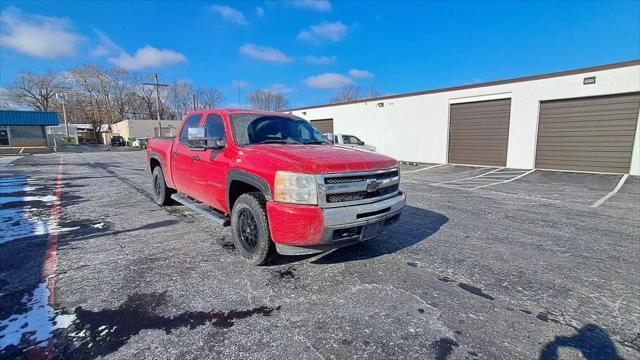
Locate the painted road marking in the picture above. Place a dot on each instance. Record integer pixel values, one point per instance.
(427, 168)
(472, 177)
(490, 178)
(613, 192)
(505, 181)
(51, 252)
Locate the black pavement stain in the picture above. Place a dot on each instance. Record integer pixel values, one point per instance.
(475, 291)
(445, 279)
(99, 333)
(544, 316)
(443, 348)
(421, 310)
(526, 311)
(412, 264)
(287, 273)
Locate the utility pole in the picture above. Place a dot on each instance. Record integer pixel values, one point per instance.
(64, 113)
(195, 105)
(157, 86)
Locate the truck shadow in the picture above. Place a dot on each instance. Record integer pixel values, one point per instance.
(415, 225)
(591, 340)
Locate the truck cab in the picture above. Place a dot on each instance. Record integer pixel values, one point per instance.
(279, 184)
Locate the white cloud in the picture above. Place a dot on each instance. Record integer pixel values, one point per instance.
(230, 14)
(280, 89)
(334, 31)
(146, 57)
(106, 47)
(360, 74)
(266, 54)
(260, 11)
(36, 35)
(328, 81)
(320, 60)
(315, 5)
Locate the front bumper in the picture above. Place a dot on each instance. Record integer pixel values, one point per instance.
(300, 230)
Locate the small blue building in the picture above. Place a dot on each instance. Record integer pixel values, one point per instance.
(25, 128)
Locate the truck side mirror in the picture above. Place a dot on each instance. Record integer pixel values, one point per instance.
(198, 140)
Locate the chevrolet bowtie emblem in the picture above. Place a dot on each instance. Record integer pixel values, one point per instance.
(373, 185)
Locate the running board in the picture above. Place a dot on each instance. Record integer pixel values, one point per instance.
(202, 209)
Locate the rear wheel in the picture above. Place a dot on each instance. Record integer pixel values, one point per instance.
(161, 193)
(250, 229)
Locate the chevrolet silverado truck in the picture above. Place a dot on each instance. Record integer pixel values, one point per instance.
(279, 184)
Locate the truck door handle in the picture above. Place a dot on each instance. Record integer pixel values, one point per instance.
(196, 157)
(175, 153)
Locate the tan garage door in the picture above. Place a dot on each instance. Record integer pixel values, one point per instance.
(588, 134)
(478, 132)
(324, 125)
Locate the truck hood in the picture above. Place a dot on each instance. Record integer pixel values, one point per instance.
(325, 159)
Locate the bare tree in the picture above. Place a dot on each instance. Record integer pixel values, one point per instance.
(208, 98)
(372, 92)
(267, 100)
(35, 91)
(179, 98)
(353, 93)
(346, 94)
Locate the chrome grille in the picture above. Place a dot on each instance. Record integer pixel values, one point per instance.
(358, 188)
(353, 179)
(361, 195)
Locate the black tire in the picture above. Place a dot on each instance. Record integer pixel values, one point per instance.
(161, 193)
(250, 229)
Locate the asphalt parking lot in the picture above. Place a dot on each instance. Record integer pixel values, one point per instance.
(485, 263)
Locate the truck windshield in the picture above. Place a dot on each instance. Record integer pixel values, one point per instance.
(274, 129)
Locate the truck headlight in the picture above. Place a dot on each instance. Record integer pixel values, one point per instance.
(295, 188)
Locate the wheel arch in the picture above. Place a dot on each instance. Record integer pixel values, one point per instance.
(240, 182)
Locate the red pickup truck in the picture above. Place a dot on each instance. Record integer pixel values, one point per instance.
(276, 180)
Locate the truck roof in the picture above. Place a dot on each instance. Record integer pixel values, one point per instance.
(235, 111)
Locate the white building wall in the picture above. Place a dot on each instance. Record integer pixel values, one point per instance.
(415, 128)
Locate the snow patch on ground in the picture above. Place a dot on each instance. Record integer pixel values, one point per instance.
(15, 189)
(36, 324)
(21, 222)
(98, 225)
(10, 199)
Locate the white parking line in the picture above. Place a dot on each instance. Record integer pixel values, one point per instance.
(613, 192)
(473, 177)
(505, 181)
(427, 168)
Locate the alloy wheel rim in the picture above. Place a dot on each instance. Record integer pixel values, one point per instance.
(247, 230)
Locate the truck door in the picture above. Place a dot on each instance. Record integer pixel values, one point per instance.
(182, 157)
(209, 171)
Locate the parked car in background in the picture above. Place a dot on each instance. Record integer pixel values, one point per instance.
(275, 179)
(140, 142)
(118, 140)
(349, 140)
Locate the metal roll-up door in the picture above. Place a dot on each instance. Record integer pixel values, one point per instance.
(324, 125)
(479, 132)
(588, 134)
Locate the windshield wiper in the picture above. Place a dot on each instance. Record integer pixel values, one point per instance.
(314, 142)
(277, 141)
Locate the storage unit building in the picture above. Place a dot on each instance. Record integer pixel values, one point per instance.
(588, 134)
(479, 132)
(577, 120)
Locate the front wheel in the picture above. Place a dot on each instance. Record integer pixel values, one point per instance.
(161, 193)
(250, 229)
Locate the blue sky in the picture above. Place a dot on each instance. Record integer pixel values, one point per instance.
(308, 49)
